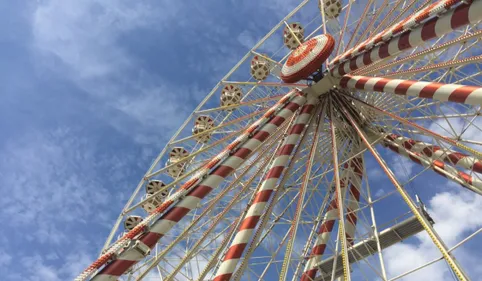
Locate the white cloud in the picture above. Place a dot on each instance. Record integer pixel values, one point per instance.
(402, 167)
(454, 215)
(83, 34)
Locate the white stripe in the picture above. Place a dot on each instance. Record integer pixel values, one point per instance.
(374, 54)
(292, 139)
(280, 161)
(359, 61)
(390, 86)
(269, 128)
(415, 37)
(233, 162)
(189, 202)
(370, 84)
(393, 46)
(444, 92)
(303, 118)
(256, 209)
(162, 226)
(270, 183)
(475, 11)
(351, 83)
(227, 267)
(251, 144)
(242, 237)
(443, 24)
(346, 67)
(212, 181)
(416, 88)
(475, 98)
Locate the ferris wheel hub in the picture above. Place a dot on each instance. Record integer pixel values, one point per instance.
(307, 58)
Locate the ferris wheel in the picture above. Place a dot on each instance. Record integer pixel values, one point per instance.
(277, 174)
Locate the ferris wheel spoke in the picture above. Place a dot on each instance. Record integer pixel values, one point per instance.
(459, 177)
(463, 15)
(359, 23)
(432, 90)
(437, 66)
(476, 35)
(423, 130)
(230, 260)
(301, 198)
(447, 155)
(454, 265)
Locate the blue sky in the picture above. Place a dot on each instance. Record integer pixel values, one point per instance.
(91, 91)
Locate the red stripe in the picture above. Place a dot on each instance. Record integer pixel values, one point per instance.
(427, 151)
(286, 149)
(344, 81)
(261, 136)
(341, 69)
(465, 177)
(455, 157)
(318, 249)
(327, 226)
(477, 167)
(235, 252)
(460, 17)
(355, 192)
(224, 277)
(263, 196)
(360, 84)
(428, 29)
(249, 223)
(461, 94)
(367, 58)
(200, 191)
(222, 171)
(296, 129)
(292, 106)
(380, 85)
(274, 172)
(309, 275)
(353, 64)
(351, 217)
(439, 164)
(407, 145)
(242, 153)
(151, 238)
(415, 159)
(307, 108)
(392, 147)
(383, 52)
(402, 88)
(277, 120)
(175, 214)
(117, 267)
(429, 90)
(404, 41)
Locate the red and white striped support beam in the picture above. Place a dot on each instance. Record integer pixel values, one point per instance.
(411, 21)
(326, 227)
(436, 27)
(196, 188)
(438, 91)
(438, 153)
(264, 193)
(355, 166)
(467, 181)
